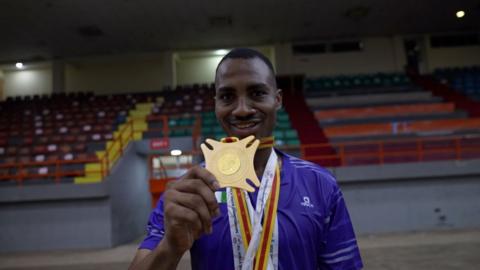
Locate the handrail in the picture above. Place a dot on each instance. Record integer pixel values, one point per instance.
(105, 161)
(20, 175)
(124, 136)
(381, 151)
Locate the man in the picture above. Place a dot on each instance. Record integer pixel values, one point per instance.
(312, 228)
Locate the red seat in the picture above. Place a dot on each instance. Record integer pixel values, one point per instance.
(39, 149)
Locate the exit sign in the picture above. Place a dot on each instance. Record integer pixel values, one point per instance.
(157, 144)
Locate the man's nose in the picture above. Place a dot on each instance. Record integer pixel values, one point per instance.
(243, 108)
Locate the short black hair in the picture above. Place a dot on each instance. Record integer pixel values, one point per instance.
(246, 53)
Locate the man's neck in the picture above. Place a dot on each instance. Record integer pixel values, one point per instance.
(260, 161)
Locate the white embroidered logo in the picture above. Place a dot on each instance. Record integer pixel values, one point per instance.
(306, 202)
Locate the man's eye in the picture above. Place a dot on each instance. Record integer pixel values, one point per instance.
(226, 97)
(259, 93)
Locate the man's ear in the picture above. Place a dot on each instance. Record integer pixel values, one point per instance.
(278, 99)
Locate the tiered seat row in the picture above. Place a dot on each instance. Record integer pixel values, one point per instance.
(339, 85)
(464, 80)
(357, 118)
(57, 136)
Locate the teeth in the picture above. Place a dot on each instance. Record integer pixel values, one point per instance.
(246, 125)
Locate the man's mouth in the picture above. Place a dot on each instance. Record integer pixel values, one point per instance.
(244, 125)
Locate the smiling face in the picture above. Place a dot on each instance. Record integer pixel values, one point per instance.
(246, 98)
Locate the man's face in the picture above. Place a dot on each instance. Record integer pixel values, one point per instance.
(246, 98)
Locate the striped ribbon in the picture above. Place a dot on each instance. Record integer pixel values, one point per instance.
(261, 239)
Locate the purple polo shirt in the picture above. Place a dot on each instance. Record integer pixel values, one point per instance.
(314, 227)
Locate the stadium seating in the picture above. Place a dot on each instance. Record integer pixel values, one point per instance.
(388, 122)
(61, 137)
(363, 119)
(464, 80)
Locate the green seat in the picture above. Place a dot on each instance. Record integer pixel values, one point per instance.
(219, 136)
(283, 125)
(366, 80)
(328, 84)
(337, 83)
(387, 80)
(282, 117)
(291, 134)
(177, 133)
(207, 130)
(172, 123)
(187, 132)
(208, 114)
(278, 134)
(377, 80)
(217, 129)
(185, 122)
(209, 121)
(293, 142)
(347, 82)
(357, 81)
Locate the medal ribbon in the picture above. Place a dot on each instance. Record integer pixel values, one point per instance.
(255, 245)
(265, 142)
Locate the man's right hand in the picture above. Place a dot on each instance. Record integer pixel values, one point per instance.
(189, 207)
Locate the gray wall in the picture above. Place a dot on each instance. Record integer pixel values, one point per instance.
(69, 216)
(412, 197)
(54, 217)
(129, 196)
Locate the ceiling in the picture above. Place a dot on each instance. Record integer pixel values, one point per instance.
(45, 29)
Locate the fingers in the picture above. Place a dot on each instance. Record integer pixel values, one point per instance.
(203, 174)
(183, 218)
(195, 186)
(197, 204)
(193, 193)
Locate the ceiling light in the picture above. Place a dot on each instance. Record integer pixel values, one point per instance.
(19, 65)
(460, 14)
(176, 152)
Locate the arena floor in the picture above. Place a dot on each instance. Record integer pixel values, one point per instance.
(439, 250)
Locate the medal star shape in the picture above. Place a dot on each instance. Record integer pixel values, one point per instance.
(232, 163)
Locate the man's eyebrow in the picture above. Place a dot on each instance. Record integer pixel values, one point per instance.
(225, 89)
(256, 86)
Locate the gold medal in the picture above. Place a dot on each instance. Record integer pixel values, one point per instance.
(232, 163)
(228, 164)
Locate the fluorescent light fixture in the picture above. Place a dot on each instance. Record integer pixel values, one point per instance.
(221, 52)
(19, 65)
(460, 14)
(176, 152)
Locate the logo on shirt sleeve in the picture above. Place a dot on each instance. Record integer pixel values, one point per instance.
(306, 202)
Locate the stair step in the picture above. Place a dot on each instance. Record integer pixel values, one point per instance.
(87, 180)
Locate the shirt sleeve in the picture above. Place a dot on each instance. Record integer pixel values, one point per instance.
(339, 246)
(155, 228)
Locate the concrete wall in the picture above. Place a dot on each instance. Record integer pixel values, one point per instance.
(453, 57)
(121, 73)
(199, 66)
(380, 54)
(69, 216)
(412, 197)
(50, 217)
(196, 70)
(27, 82)
(2, 94)
(152, 71)
(129, 196)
